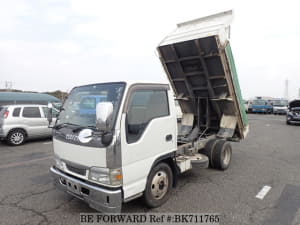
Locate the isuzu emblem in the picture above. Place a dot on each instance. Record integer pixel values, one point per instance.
(85, 135)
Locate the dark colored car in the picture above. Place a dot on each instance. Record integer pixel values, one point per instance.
(293, 114)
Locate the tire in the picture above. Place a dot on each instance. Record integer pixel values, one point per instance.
(221, 155)
(288, 123)
(16, 137)
(159, 185)
(208, 150)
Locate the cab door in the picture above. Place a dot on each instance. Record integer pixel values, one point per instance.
(148, 130)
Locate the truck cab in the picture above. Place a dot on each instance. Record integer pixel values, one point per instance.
(130, 144)
(112, 165)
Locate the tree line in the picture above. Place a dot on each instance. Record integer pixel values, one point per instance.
(58, 94)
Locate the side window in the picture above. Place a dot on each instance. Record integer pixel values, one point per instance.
(16, 112)
(31, 112)
(144, 106)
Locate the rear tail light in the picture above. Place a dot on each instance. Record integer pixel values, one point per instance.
(6, 113)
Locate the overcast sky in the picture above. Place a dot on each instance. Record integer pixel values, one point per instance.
(58, 44)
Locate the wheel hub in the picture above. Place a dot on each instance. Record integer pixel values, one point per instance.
(226, 156)
(159, 185)
(17, 138)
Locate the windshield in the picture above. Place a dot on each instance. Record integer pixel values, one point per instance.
(80, 106)
(260, 102)
(280, 102)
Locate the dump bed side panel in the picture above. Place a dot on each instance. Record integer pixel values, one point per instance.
(236, 84)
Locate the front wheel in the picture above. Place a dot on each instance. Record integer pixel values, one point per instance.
(159, 185)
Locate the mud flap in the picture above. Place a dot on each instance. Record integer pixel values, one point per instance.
(227, 126)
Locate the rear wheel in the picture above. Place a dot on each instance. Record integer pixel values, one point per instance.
(219, 153)
(159, 185)
(16, 137)
(222, 155)
(208, 150)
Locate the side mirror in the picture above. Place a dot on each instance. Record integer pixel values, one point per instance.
(49, 115)
(104, 112)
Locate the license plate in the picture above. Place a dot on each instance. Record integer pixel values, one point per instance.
(73, 187)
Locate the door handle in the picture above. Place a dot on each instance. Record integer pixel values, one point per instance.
(169, 137)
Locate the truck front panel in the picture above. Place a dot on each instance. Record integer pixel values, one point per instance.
(82, 155)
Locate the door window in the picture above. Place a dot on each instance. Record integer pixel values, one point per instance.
(31, 112)
(144, 106)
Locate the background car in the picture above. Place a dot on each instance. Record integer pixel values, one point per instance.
(293, 114)
(19, 123)
(280, 106)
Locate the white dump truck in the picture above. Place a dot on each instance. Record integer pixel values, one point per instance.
(114, 142)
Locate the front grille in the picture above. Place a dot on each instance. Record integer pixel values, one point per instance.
(76, 170)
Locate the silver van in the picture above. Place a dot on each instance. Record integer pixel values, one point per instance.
(19, 123)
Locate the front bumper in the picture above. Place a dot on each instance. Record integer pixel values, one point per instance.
(279, 111)
(103, 200)
(294, 120)
(260, 110)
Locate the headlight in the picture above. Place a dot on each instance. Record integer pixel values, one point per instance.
(59, 163)
(107, 176)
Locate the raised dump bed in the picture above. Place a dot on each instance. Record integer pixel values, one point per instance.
(199, 64)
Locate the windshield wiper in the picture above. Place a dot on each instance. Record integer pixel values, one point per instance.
(76, 129)
(82, 127)
(61, 125)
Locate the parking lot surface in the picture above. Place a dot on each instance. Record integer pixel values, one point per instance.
(270, 156)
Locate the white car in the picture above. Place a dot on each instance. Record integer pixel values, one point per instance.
(280, 110)
(21, 122)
